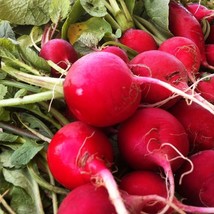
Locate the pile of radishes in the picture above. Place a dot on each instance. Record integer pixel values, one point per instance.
(141, 139)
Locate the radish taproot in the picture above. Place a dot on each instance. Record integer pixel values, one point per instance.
(59, 51)
(198, 123)
(186, 51)
(151, 139)
(178, 15)
(138, 40)
(79, 153)
(87, 198)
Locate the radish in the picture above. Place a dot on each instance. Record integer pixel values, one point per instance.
(79, 153)
(138, 40)
(100, 90)
(200, 11)
(178, 15)
(205, 86)
(198, 123)
(154, 138)
(143, 183)
(118, 51)
(197, 187)
(209, 50)
(163, 66)
(60, 52)
(88, 198)
(186, 51)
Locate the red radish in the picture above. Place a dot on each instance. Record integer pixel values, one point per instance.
(197, 187)
(154, 138)
(200, 11)
(118, 51)
(142, 183)
(100, 90)
(60, 52)
(79, 153)
(209, 50)
(178, 15)
(205, 86)
(186, 51)
(198, 123)
(163, 66)
(138, 40)
(87, 198)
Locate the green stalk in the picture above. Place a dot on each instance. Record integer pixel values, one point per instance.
(151, 28)
(42, 81)
(140, 26)
(56, 114)
(43, 183)
(17, 84)
(28, 99)
(120, 16)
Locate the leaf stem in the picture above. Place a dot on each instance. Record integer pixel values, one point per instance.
(32, 98)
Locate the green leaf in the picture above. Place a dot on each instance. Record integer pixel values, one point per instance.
(6, 30)
(95, 8)
(25, 195)
(34, 37)
(3, 91)
(31, 58)
(75, 13)
(7, 137)
(4, 114)
(89, 32)
(35, 123)
(25, 12)
(8, 49)
(158, 12)
(59, 10)
(24, 154)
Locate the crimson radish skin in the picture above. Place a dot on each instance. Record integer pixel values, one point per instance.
(178, 15)
(186, 51)
(209, 50)
(99, 89)
(142, 183)
(198, 123)
(200, 11)
(118, 51)
(60, 52)
(151, 139)
(78, 153)
(163, 66)
(205, 86)
(197, 187)
(138, 40)
(87, 198)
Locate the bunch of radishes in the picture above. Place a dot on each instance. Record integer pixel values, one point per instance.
(141, 139)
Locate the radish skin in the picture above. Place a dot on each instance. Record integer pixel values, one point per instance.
(178, 15)
(83, 153)
(142, 139)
